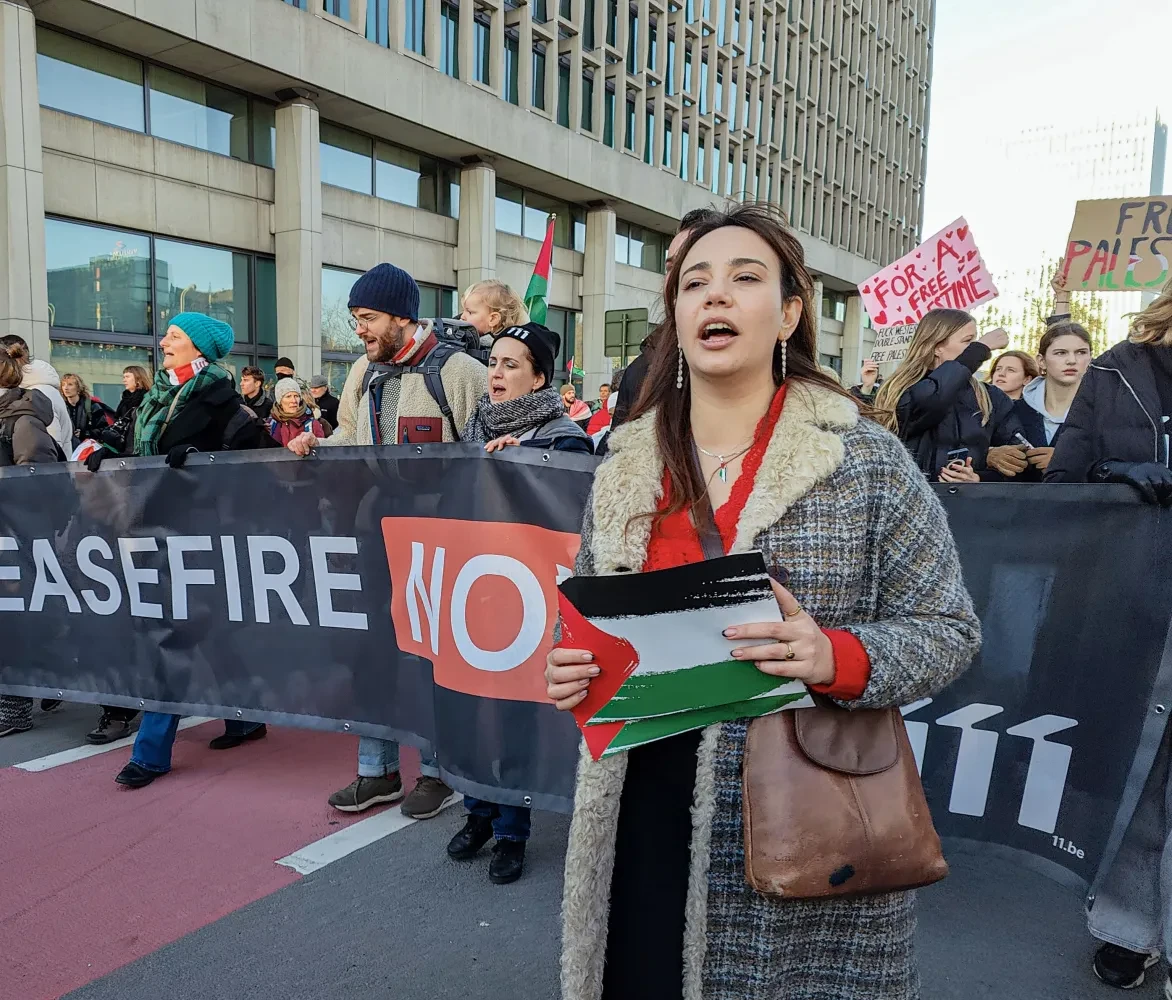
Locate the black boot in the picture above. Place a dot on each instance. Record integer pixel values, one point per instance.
(466, 844)
(133, 776)
(508, 861)
(1122, 968)
(230, 740)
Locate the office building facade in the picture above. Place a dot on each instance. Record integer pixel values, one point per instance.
(248, 158)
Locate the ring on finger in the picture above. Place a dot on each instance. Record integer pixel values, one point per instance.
(792, 614)
(789, 651)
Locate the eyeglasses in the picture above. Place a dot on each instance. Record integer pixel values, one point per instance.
(356, 321)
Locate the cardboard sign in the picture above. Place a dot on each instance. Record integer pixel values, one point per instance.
(892, 344)
(944, 272)
(1119, 245)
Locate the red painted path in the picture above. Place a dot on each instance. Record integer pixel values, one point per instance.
(93, 875)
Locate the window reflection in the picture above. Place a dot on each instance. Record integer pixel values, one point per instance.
(509, 209)
(84, 79)
(198, 114)
(191, 278)
(99, 365)
(98, 279)
(346, 159)
(336, 334)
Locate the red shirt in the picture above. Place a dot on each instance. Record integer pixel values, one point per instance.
(675, 542)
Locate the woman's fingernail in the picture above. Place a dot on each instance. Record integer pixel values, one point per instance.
(738, 653)
(583, 682)
(587, 656)
(780, 575)
(593, 671)
(728, 633)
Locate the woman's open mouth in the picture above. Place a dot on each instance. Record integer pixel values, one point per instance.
(496, 390)
(716, 334)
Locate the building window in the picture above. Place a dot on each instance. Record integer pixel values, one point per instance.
(480, 47)
(512, 94)
(112, 294)
(632, 42)
(832, 361)
(525, 213)
(415, 28)
(539, 75)
(83, 79)
(449, 39)
(608, 119)
(567, 324)
(652, 45)
(587, 102)
(563, 95)
(416, 180)
(667, 142)
(671, 66)
(378, 28)
(198, 114)
(340, 346)
(834, 305)
(640, 247)
(649, 134)
(629, 139)
(346, 159)
(612, 21)
(685, 154)
(588, 25)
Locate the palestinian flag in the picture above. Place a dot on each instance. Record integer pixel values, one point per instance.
(665, 665)
(538, 290)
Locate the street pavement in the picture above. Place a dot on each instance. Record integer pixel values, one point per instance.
(173, 892)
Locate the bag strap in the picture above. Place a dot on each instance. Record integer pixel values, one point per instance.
(710, 540)
(433, 366)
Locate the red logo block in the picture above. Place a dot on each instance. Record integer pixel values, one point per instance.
(478, 599)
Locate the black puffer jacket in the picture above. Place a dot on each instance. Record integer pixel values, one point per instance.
(215, 419)
(1116, 416)
(119, 436)
(25, 416)
(940, 414)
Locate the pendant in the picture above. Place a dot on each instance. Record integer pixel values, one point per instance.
(723, 473)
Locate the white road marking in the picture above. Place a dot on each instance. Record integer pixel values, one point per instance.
(81, 753)
(353, 838)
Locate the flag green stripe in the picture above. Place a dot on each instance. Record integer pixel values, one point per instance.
(643, 731)
(707, 685)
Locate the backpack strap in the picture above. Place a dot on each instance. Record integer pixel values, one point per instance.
(432, 368)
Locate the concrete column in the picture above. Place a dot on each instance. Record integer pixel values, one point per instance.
(852, 341)
(817, 296)
(598, 285)
(476, 229)
(297, 216)
(24, 304)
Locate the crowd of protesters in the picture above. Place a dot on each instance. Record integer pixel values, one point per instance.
(703, 409)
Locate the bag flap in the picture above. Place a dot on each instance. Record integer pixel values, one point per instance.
(860, 742)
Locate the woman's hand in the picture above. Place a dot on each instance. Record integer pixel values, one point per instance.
(799, 648)
(1059, 281)
(303, 444)
(499, 444)
(995, 339)
(1039, 458)
(1008, 459)
(957, 473)
(568, 673)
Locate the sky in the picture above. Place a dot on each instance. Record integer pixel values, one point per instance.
(1003, 66)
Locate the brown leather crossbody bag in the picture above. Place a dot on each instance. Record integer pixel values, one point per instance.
(833, 805)
(832, 800)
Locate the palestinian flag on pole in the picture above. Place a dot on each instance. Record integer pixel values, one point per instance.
(538, 291)
(665, 666)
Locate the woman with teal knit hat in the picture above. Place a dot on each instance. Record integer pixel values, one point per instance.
(191, 406)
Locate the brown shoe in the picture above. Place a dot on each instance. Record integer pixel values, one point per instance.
(427, 799)
(362, 793)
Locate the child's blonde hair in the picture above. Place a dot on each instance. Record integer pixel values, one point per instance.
(500, 298)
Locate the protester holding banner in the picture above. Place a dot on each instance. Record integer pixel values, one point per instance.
(1118, 429)
(867, 388)
(25, 417)
(739, 419)
(934, 402)
(192, 406)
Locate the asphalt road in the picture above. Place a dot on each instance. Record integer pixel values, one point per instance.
(398, 920)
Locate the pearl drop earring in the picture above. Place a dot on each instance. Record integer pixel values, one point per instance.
(783, 360)
(680, 369)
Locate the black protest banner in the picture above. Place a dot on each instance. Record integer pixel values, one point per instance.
(411, 592)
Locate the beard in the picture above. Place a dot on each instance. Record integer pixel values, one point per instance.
(385, 346)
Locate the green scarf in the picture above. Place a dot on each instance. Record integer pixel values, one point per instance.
(164, 400)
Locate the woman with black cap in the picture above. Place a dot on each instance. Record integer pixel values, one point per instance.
(522, 407)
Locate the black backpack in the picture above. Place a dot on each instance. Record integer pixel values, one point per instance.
(454, 336)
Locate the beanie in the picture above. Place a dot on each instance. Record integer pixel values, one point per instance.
(386, 289)
(543, 345)
(212, 337)
(285, 363)
(285, 385)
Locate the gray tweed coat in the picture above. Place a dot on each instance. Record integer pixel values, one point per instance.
(839, 503)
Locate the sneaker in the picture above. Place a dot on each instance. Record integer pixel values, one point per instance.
(13, 730)
(427, 799)
(1121, 967)
(227, 740)
(50, 704)
(108, 730)
(508, 861)
(466, 844)
(362, 793)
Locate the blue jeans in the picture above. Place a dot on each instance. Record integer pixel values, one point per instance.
(508, 822)
(378, 758)
(156, 737)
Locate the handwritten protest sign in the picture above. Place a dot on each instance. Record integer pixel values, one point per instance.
(892, 344)
(1119, 245)
(945, 271)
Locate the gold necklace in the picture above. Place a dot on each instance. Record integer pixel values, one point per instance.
(722, 472)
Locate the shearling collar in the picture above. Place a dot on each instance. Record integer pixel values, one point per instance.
(804, 449)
